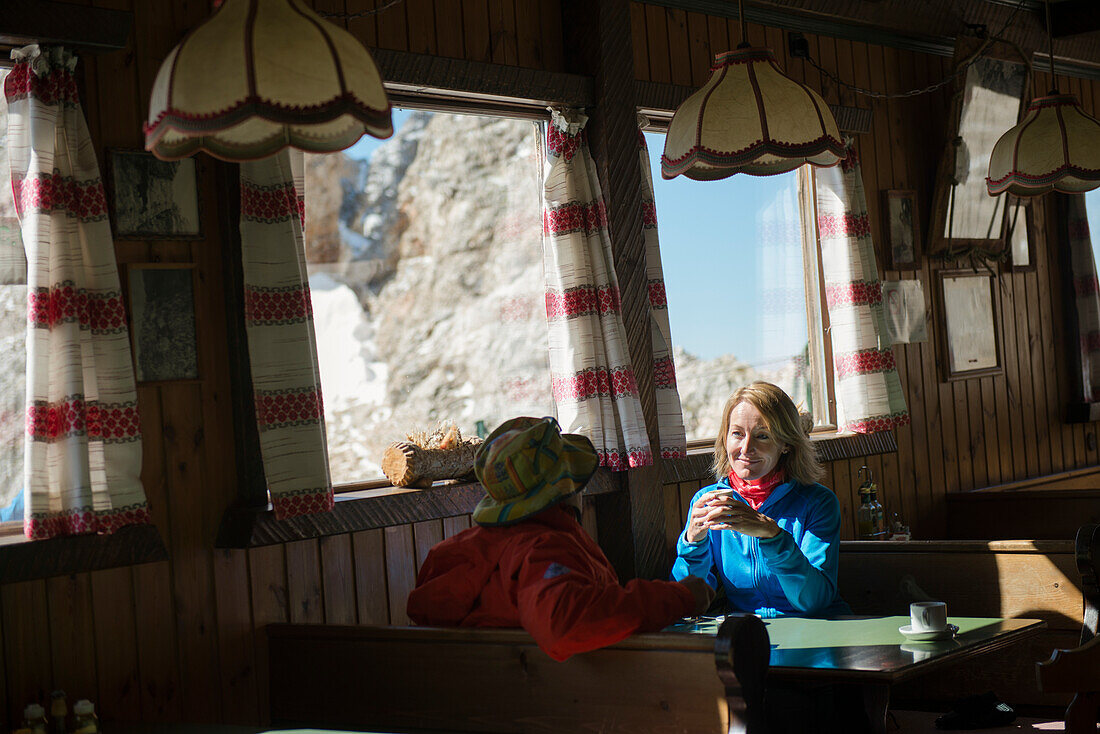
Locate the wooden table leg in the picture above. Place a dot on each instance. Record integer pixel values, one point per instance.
(876, 702)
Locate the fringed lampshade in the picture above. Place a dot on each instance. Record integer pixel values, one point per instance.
(749, 118)
(261, 75)
(1056, 147)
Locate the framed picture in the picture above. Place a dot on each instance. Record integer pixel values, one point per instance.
(162, 322)
(154, 199)
(969, 333)
(1018, 228)
(899, 212)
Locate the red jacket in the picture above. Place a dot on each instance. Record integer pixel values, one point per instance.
(543, 574)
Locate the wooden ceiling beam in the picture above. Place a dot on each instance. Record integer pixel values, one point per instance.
(1074, 17)
(79, 27)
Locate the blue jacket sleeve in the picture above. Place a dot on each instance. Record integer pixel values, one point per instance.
(694, 559)
(807, 573)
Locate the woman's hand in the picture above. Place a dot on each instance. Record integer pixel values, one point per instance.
(703, 513)
(739, 517)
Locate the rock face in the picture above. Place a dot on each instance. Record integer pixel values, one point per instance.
(427, 280)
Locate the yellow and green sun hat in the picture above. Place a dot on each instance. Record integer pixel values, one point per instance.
(527, 465)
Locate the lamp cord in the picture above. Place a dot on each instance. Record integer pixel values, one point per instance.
(1050, 46)
(947, 79)
(361, 13)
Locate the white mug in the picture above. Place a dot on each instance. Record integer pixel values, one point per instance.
(928, 616)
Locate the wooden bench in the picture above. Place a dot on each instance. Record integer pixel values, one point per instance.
(498, 680)
(1011, 578)
(1077, 671)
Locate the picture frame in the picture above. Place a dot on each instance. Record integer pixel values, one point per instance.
(969, 332)
(162, 322)
(1019, 226)
(153, 199)
(901, 228)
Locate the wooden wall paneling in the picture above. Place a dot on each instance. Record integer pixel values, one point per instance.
(303, 582)
(528, 48)
(448, 28)
(236, 637)
(589, 521)
(72, 636)
(719, 34)
(455, 525)
(1046, 415)
(639, 44)
(155, 34)
(1024, 343)
(420, 19)
(425, 537)
(371, 598)
(400, 570)
(192, 573)
(158, 653)
(701, 54)
(119, 108)
(475, 26)
(270, 605)
(844, 485)
(27, 660)
(679, 46)
(1013, 407)
(656, 24)
(115, 645)
(393, 31)
(992, 438)
(366, 27)
(153, 477)
(502, 31)
(338, 578)
(1079, 429)
(550, 26)
(673, 514)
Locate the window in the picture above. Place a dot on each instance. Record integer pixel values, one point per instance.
(13, 330)
(744, 292)
(424, 254)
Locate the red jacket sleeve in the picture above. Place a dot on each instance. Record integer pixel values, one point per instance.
(568, 610)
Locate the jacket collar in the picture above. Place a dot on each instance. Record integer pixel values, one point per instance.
(777, 494)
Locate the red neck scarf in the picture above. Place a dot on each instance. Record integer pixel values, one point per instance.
(755, 492)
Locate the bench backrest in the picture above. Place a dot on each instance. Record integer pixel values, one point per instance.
(498, 680)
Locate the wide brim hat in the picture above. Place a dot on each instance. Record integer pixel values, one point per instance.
(527, 465)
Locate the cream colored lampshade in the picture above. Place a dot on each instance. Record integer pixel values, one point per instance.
(749, 118)
(1056, 147)
(261, 75)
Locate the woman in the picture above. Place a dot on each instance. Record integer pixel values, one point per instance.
(767, 530)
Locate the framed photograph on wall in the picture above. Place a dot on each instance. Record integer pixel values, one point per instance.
(968, 324)
(162, 322)
(153, 199)
(902, 233)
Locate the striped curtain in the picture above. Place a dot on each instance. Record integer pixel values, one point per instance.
(1087, 295)
(868, 391)
(282, 346)
(670, 416)
(592, 379)
(82, 454)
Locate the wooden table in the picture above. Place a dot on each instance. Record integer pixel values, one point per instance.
(871, 653)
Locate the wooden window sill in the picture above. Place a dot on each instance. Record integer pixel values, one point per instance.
(830, 447)
(367, 509)
(25, 560)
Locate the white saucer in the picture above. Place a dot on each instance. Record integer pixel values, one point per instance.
(944, 634)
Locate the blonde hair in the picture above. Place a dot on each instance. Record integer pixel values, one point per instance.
(784, 422)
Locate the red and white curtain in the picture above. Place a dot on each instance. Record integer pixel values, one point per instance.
(282, 345)
(82, 454)
(868, 391)
(592, 378)
(670, 415)
(1086, 291)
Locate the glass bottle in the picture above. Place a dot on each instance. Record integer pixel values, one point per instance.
(34, 719)
(870, 517)
(59, 712)
(84, 718)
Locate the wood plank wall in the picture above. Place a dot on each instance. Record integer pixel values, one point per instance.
(964, 434)
(181, 640)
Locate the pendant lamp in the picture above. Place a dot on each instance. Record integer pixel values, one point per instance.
(1056, 147)
(261, 75)
(749, 118)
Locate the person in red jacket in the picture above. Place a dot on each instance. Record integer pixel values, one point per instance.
(530, 564)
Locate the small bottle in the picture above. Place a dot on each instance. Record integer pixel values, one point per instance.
(34, 719)
(59, 712)
(84, 718)
(870, 517)
(898, 529)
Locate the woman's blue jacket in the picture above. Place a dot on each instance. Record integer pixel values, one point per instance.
(793, 573)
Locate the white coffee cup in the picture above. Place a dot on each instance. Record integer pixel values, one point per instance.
(928, 616)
